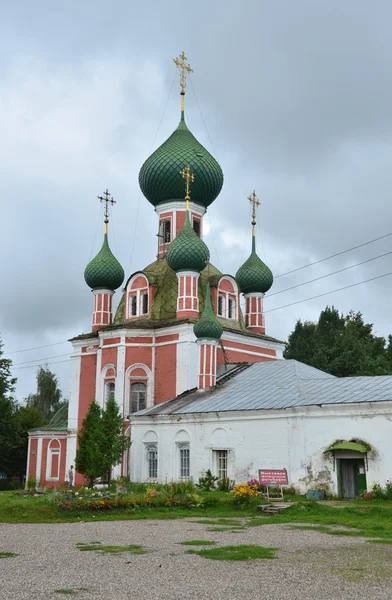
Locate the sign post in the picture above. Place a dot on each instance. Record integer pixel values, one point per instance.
(273, 478)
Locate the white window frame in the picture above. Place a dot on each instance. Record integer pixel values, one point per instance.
(181, 448)
(136, 382)
(226, 296)
(149, 448)
(49, 460)
(137, 293)
(216, 461)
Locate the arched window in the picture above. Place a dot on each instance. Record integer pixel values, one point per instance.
(53, 461)
(152, 462)
(228, 298)
(137, 294)
(138, 397)
(110, 388)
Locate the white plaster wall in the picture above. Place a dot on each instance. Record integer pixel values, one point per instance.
(294, 439)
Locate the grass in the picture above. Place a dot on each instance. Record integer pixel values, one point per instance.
(242, 552)
(198, 543)
(66, 592)
(8, 555)
(31, 509)
(98, 547)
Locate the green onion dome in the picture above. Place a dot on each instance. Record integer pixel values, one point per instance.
(208, 326)
(160, 179)
(104, 271)
(187, 252)
(254, 275)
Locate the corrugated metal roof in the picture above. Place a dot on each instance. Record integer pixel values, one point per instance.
(275, 385)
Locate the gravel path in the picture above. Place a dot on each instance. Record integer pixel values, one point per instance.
(309, 565)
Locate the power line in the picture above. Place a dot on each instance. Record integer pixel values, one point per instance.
(328, 274)
(49, 364)
(346, 287)
(38, 347)
(316, 262)
(40, 359)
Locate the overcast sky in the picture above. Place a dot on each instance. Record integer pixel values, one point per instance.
(297, 101)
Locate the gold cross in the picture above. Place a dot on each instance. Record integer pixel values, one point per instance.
(255, 203)
(189, 178)
(185, 67)
(107, 199)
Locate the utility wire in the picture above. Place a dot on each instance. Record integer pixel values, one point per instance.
(346, 287)
(38, 347)
(328, 274)
(316, 262)
(40, 359)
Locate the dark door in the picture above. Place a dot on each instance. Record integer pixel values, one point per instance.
(352, 477)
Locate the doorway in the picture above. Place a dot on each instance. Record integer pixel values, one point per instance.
(352, 477)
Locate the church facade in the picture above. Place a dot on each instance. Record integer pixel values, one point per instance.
(199, 382)
(178, 319)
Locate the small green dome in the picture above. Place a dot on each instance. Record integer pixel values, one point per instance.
(104, 271)
(254, 275)
(160, 178)
(187, 252)
(208, 326)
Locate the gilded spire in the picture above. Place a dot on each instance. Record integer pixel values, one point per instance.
(181, 62)
(107, 199)
(255, 204)
(189, 178)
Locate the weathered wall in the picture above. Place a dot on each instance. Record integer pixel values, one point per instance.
(294, 439)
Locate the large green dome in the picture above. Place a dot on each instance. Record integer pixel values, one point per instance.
(104, 271)
(254, 275)
(187, 252)
(208, 326)
(160, 178)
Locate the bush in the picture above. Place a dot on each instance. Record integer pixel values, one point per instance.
(207, 482)
(244, 494)
(225, 484)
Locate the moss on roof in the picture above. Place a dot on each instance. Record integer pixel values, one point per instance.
(59, 421)
(161, 276)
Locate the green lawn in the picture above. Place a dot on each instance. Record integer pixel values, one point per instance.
(364, 518)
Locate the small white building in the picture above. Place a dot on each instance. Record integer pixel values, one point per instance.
(329, 433)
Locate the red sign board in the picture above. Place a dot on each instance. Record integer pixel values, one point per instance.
(268, 476)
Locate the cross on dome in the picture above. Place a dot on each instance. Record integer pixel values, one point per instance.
(107, 199)
(189, 178)
(255, 204)
(186, 69)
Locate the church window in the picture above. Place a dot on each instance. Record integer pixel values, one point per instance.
(220, 305)
(144, 304)
(110, 388)
(221, 463)
(138, 397)
(231, 308)
(133, 306)
(152, 462)
(185, 466)
(166, 227)
(196, 227)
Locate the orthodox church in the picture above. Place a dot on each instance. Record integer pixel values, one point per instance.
(199, 382)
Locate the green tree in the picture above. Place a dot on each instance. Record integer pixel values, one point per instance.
(113, 441)
(48, 398)
(340, 345)
(89, 458)
(7, 411)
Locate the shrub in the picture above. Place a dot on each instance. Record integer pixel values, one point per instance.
(225, 484)
(207, 482)
(244, 494)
